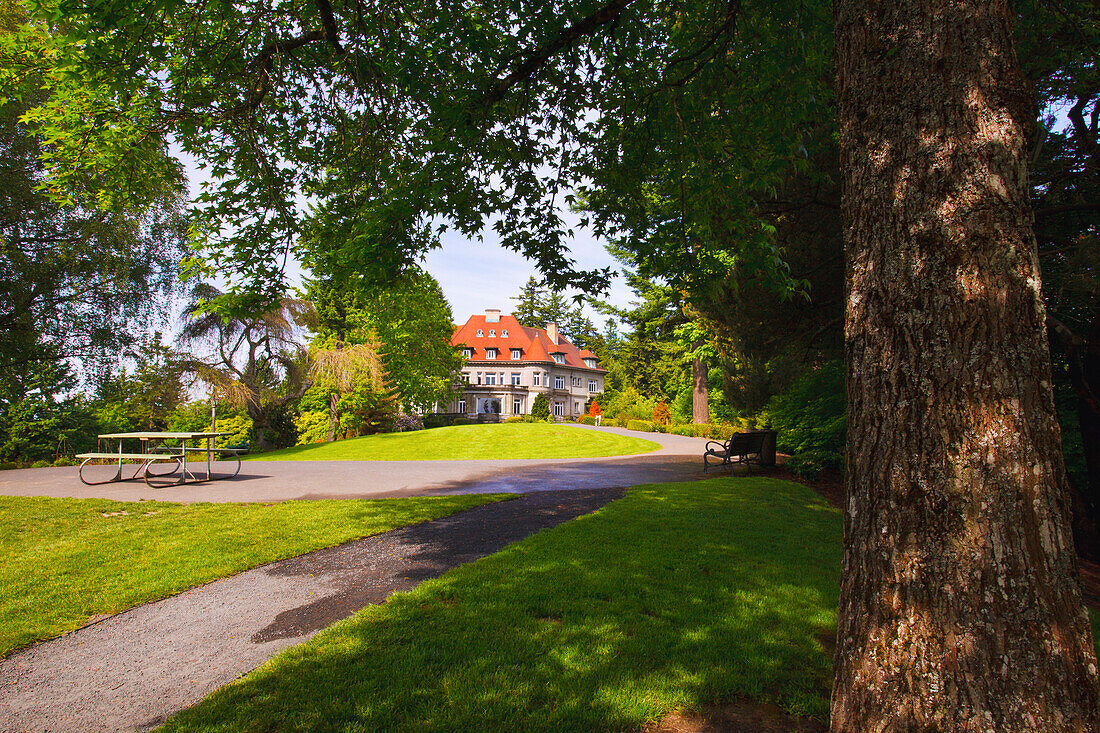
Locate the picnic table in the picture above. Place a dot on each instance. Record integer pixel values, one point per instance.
(153, 451)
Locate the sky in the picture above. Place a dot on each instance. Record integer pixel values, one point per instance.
(480, 275)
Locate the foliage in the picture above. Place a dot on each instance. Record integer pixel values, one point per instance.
(712, 431)
(540, 408)
(661, 415)
(254, 361)
(590, 610)
(514, 419)
(465, 441)
(65, 560)
(407, 320)
(811, 420)
(312, 427)
(364, 410)
(403, 423)
(587, 420)
(594, 409)
(643, 425)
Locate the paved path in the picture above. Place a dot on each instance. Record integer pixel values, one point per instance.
(679, 459)
(130, 671)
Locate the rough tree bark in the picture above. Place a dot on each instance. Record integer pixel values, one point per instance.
(959, 607)
(700, 406)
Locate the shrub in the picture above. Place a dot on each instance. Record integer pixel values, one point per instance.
(540, 408)
(463, 421)
(642, 425)
(810, 419)
(587, 420)
(594, 409)
(437, 420)
(65, 461)
(41, 464)
(661, 415)
(515, 418)
(403, 423)
(312, 427)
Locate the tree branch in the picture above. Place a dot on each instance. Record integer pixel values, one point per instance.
(534, 59)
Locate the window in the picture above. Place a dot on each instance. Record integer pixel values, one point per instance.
(577, 381)
(466, 377)
(536, 379)
(559, 382)
(490, 353)
(491, 379)
(502, 377)
(559, 358)
(462, 405)
(517, 406)
(479, 377)
(515, 379)
(592, 385)
(516, 354)
(467, 353)
(590, 363)
(480, 333)
(492, 333)
(504, 333)
(559, 409)
(576, 408)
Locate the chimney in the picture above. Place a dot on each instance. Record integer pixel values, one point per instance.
(492, 315)
(552, 331)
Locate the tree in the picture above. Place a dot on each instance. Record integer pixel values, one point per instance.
(258, 357)
(540, 408)
(407, 315)
(536, 306)
(684, 122)
(958, 600)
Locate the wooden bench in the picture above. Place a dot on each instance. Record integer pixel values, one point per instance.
(742, 448)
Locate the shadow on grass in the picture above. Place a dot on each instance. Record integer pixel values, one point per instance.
(675, 596)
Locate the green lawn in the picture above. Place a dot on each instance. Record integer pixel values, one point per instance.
(63, 560)
(469, 443)
(677, 595)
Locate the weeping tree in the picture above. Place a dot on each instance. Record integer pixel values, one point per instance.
(344, 369)
(259, 360)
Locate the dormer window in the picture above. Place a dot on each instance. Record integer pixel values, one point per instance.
(492, 333)
(504, 333)
(516, 354)
(590, 363)
(559, 358)
(490, 353)
(468, 353)
(480, 333)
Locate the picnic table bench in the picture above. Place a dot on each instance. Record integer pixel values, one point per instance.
(154, 451)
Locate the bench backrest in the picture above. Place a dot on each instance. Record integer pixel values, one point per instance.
(746, 443)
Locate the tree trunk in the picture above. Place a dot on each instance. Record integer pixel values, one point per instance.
(1088, 415)
(959, 609)
(700, 407)
(261, 424)
(333, 416)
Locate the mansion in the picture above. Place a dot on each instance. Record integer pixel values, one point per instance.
(507, 364)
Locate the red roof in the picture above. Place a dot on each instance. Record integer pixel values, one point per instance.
(534, 343)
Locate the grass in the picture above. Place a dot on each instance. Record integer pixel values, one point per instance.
(65, 560)
(675, 596)
(469, 443)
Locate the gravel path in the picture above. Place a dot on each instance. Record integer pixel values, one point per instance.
(131, 671)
